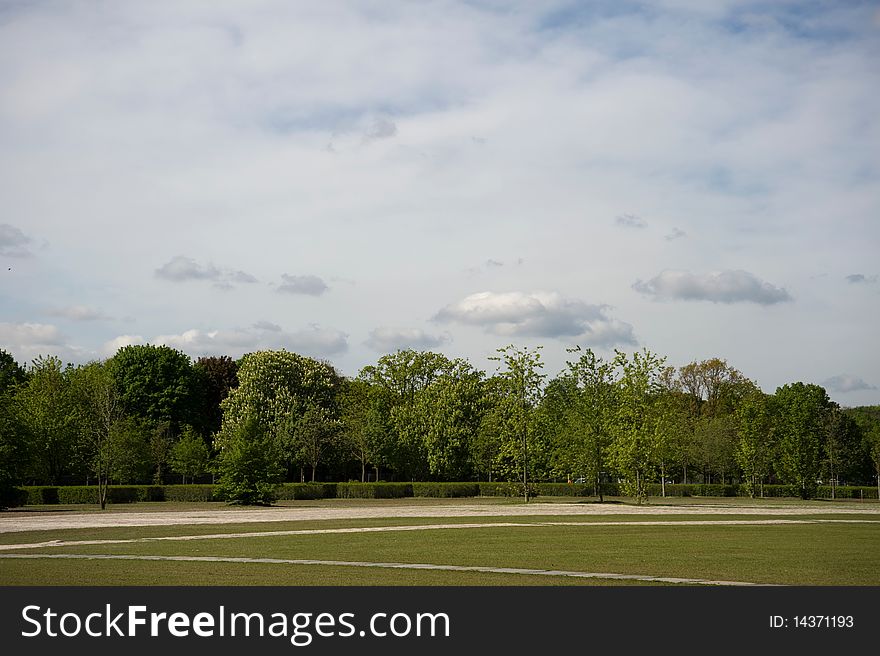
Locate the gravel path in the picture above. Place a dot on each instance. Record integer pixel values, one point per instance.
(53, 521)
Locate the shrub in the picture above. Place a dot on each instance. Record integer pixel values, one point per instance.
(847, 492)
(446, 490)
(507, 489)
(41, 494)
(302, 491)
(189, 493)
(12, 497)
(373, 490)
(564, 489)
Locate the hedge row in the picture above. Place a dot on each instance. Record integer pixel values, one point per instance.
(88, 494)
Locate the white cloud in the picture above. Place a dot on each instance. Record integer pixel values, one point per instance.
(538, 314)
(388, 340)
(677, 233)
(308, 285)
(109, 348)
(313, 341)
(80, 313)
(13, 242)
(26, 341)
(847, 383)
(717, 287)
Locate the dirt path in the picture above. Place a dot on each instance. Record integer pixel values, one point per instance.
(55, 521)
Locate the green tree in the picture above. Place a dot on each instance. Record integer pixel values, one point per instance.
(248, 463)
(400, 379)
(218, 376)
(156, 383)
(634, 447)
(190, 456)
(315, 433)
(361, 431)
(11, 373)
(590, 413)
(799, 418)
(519, 368)
(131, 459)
(45, 409)
(754, 448)
(98, 411)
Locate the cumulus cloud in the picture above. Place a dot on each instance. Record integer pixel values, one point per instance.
(181, 269)
(13, 242)
(847, 383)
(109, 348)
(314, 341)
(387, 340)
(308, 285)
(717, 287)
(856, 278)
(676, 233)
(538, 314)
(26, 341)
(630, 221)
(80, 313)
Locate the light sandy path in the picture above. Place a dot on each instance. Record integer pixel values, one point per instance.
(54, 521)
(422, 527)
(419, 566)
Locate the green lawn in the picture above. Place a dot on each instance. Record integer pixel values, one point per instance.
(811, 554)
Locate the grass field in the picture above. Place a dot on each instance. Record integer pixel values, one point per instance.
(815, 543)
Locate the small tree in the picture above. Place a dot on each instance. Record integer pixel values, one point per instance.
(315, 433)
(521, 395)
(754, 446)
(190, 456)
(249, 464)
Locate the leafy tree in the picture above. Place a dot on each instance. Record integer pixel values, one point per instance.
(635, 435)
(189, 455)
(14, 451)
(519, 368)
(868, 420)
(156, 383)
(799, 423)
(130, 460)
(451, 410)
(400, 379)
(11, 373)
(754, 448)
(248, 464)
(360, 431)
(485, 444)
(315, 433)
(218, 376)
(98, 411)
(45, 409)
(590, 413)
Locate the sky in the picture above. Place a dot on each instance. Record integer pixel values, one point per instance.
(347, 178)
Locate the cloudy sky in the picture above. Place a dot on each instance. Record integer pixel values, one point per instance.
(348, 178)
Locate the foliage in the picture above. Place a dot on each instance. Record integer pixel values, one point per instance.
(446, 490)
(798, 422)
(248, 463)
(156, 383)
(634, 448)
(754, 448)
(521, 391)
(190, 456)
(373, 490)
(217, 377)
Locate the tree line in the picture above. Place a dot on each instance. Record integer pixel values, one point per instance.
(151, 414)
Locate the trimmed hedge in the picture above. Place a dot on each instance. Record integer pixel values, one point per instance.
(373, 490)
(301, 491)
(446, 490)
(88, 494)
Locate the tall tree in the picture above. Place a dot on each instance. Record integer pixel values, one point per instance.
(590, 413)
(519, 368)
(156, 383)
(46, 412)
(99, 410)
(799, 418)
(754, 447)
(635, 433)
(218, 376)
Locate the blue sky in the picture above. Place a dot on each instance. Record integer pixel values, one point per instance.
(348, 178)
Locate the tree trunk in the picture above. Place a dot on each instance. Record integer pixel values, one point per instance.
(663, 481)
(363, 471)
(314, 467)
